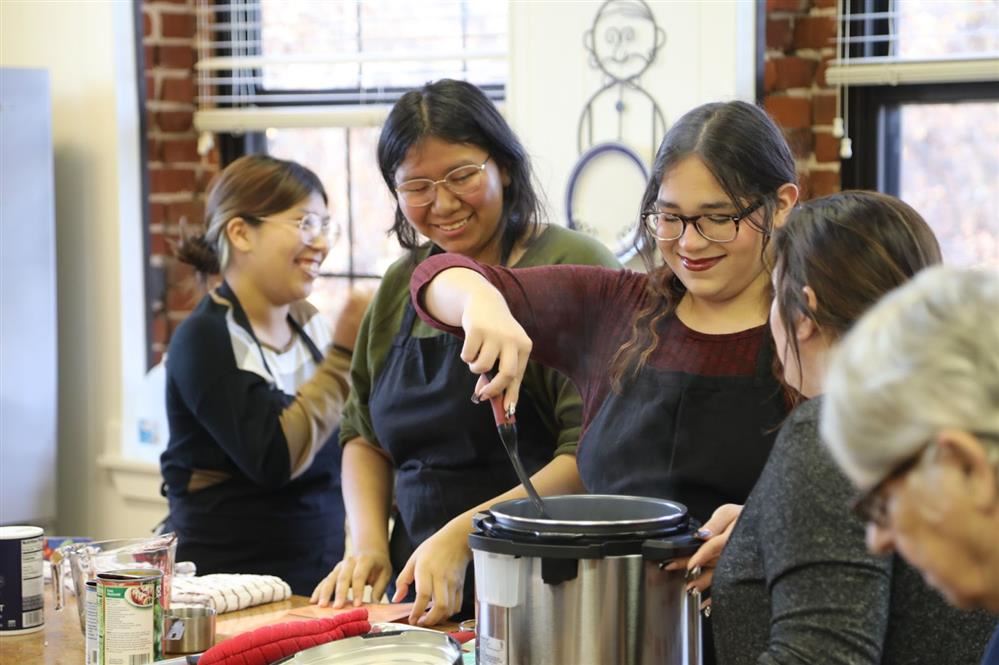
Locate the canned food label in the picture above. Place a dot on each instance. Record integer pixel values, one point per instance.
(93, 625)
(492, 650)
(21, 583)
(130, 619)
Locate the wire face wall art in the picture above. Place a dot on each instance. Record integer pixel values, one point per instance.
(620, 122)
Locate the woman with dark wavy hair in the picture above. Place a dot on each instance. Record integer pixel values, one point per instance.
(795, 583)
(675, 364)
(463, 186)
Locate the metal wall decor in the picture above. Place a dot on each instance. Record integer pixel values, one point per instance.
(622, 43)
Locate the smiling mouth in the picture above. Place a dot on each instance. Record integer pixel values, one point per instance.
(311, 266)
(697, 265)
(455, 226)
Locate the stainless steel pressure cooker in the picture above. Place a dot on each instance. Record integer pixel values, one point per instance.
(587, 585)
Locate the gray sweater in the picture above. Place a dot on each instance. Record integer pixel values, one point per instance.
(796, 584)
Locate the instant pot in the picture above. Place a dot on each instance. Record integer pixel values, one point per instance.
(587, 585)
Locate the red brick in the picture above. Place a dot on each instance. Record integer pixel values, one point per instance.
(191, 213)
(175, 121)
(155, 150)
(779, 33)
(159, 245)
(183, 150)
(826, 147)
(161, 329)
(784, 6)
(178, 90)
(177, 25)
(823, 109)
(824, 182)
(163, 181)
(804, 186)
(178, 2)
(789, 112)
(794, 72)
(147, 23)
(824, 4)
(148, 57)
(178, 273)
(150, 87)
(814, 32)
(820, 72)
(175, 57)
(800, 141)
(181, 298)
(157, 213)
(769, 75)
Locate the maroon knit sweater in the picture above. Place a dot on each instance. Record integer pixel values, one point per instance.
(579, 316)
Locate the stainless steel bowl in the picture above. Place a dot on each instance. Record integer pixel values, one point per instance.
(188, 629)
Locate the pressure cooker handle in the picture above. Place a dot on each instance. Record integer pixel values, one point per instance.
(667, 549)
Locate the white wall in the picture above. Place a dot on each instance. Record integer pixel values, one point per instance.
(709, 55)
(88, 49)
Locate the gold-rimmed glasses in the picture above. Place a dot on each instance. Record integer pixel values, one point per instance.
(462, 181)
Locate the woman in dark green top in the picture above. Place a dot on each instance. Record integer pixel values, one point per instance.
(463, 181)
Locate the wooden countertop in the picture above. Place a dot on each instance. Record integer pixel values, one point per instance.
(61, 641)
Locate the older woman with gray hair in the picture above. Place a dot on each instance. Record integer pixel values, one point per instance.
(912, 417)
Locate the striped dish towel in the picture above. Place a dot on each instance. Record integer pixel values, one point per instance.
(227, 592)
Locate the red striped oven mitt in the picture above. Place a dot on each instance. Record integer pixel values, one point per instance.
(270, 644)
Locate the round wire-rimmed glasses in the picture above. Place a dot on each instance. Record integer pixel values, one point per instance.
(462, 181)
(310, 227)
(716, 228)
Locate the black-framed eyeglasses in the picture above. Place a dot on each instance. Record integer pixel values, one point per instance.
(871, 506)
(462, 181)
(310, 227)
(716, 228)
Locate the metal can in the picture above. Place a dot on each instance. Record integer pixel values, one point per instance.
(93, 635)
(130, 616)
(22, 603)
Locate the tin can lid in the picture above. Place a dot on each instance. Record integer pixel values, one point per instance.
(20, 532)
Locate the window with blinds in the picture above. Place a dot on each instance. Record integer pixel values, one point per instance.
(892, 42)
(334, 63)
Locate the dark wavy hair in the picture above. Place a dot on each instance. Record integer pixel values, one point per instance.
(747, 154)
(458, 112)
(253, 185)
(851, 248)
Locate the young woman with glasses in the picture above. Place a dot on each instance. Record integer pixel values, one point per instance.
(463, 185)
(256, 381)
(795, 582)
(912, 417)
(675, 364)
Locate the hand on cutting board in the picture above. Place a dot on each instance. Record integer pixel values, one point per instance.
(715, 533)
(352, 575)
(438, 568)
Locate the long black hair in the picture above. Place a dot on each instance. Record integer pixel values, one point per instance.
(458, 112)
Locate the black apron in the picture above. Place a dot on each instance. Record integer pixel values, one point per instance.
(300, 549)
(699, 440)
(447, 453)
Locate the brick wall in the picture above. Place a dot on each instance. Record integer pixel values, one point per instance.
(178, 175)
(800, 43)
(799, 36)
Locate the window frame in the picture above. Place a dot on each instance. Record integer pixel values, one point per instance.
(232, 146)
(873, 112)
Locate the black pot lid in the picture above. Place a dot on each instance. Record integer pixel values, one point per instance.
(592, 514)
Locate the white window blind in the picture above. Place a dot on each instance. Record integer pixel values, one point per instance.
(916, 42)
(336, 63)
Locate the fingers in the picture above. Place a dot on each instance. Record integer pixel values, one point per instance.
(379, 586)
(405, 578)
(321, 594)
(703, 581)
(723, 519)
(346, 573)
(423, 595)
(677, 564)
(357, 583)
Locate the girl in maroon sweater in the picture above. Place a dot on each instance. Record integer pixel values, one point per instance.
(674, 365)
